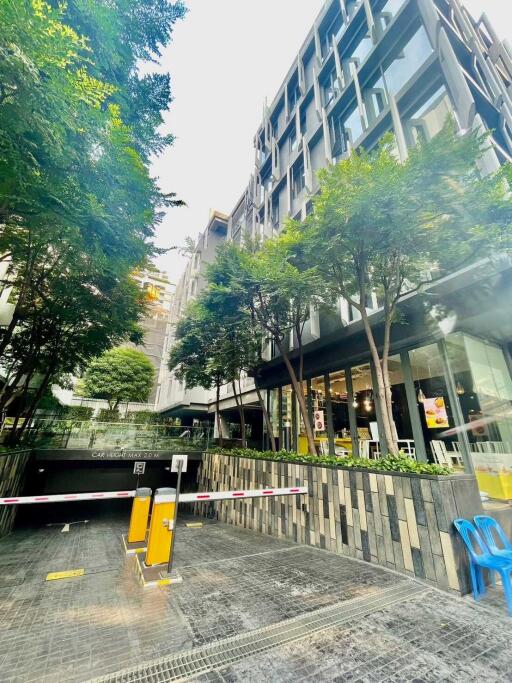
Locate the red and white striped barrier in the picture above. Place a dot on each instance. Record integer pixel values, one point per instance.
(234, 495)
(184, 497)
(66, 497)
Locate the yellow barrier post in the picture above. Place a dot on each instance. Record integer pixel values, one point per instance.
(140, 516)
(160, 530)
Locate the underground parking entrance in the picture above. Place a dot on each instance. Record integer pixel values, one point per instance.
(250, 607)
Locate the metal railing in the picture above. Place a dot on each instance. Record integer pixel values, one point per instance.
(77, 434)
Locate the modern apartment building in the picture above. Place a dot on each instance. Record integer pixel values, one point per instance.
(365, 68)
(173, 396)
(160, 295)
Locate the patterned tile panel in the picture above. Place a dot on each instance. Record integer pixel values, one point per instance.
(400, 521)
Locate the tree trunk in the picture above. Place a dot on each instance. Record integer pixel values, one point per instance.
(268, 421)
(300, 398)
(381, 387)
(217, 415)
(13, 436)
(35, 402)
(388, 312)
(240, 407)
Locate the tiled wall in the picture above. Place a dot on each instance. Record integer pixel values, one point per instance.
(12, 473)
(400, 521)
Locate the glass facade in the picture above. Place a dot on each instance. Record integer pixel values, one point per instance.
(483, 386)
(437, 415)
(451, 403)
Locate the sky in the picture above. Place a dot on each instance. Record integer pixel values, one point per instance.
(225, 58)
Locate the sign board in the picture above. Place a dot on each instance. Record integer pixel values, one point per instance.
(176, 459)
(319, 421)
(139, 467)
(435, 413)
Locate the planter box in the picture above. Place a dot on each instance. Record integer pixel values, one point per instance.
(402, 521)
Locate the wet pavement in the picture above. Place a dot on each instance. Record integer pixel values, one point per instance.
(235, 583)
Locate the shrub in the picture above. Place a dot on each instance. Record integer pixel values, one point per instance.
(142, 417)
(107, 415)
(78, 413)
(389, 463)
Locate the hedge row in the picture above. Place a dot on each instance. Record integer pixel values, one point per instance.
(390, 463)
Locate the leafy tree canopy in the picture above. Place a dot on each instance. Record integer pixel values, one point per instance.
(119, 375)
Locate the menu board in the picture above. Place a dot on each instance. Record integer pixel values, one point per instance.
(435, 413)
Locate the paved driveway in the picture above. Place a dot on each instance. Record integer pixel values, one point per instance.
(250, 608)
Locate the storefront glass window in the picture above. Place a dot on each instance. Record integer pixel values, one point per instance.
(364, 406)
(436, 414)
(484, 390)
(401, 416)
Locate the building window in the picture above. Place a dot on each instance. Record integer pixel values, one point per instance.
(339, 136)
(387, 13)
(351, 6)
(274, 211)
(375, 98)
(407, 61)
(333, 29)
(330, 88)
(293, 95)
(428, 119)
(303, 122)
(293, 139)
(298, 178)
(354, 125)
(357, 53)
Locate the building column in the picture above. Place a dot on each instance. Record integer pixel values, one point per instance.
(465, 448)
(224, 427)
(328, 414)
(295, 426)
(280, 417)
(412, 405)
(352, 413)
(309, 400)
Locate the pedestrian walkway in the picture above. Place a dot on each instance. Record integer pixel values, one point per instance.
(250, 608)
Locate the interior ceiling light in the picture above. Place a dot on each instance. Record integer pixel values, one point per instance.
(460, 389)
(421, 396)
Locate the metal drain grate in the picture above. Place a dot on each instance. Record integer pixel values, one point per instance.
(221, 653)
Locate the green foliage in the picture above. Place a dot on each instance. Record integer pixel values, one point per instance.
(79, 413)
(78, 123)
(108, 415)
(385, 226)
(119, 375)
(143, 417)
(389, 463)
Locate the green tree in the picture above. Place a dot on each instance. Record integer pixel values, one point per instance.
(196, 357)
(272, 284)
(118, 376)
(78, 124)
(388, 227)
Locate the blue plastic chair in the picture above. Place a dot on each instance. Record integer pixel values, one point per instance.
(492, 531)
(481, 558)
